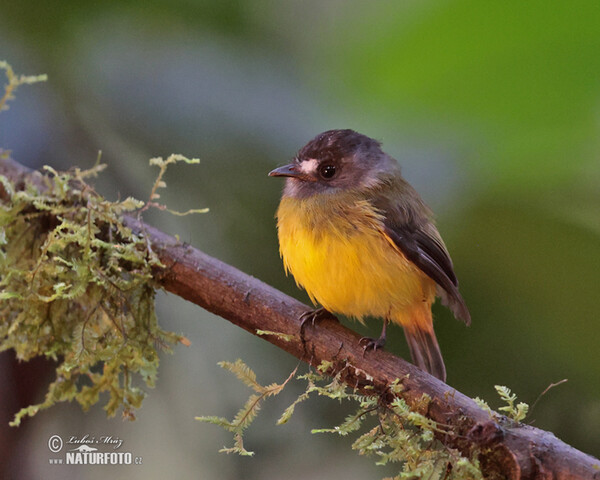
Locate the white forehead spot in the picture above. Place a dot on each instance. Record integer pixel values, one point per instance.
(308, 166)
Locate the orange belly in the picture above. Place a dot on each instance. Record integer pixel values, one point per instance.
(345, 262)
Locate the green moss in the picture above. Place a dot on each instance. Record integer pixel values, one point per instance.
(14, 82)
(392, 433)
(77, 287)
(246, 415)
(514, 411)
(76, 284)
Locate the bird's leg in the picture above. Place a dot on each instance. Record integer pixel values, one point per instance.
(372, 343)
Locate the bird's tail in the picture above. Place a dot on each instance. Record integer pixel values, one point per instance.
(425, 351)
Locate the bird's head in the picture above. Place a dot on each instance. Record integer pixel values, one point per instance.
(334, 161)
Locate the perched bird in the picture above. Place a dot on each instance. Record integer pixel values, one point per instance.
(359, 239)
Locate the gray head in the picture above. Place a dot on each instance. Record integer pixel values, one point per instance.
(336, 160)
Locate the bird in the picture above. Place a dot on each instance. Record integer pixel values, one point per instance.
(362, 243)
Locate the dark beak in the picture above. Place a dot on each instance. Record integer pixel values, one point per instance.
(290, 170)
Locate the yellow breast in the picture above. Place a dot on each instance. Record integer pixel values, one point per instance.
(338, 252)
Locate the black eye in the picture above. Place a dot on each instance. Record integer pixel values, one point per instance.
(327, 170)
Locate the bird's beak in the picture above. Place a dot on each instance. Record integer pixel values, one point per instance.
(290, 170)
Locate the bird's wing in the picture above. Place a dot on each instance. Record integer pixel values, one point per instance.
(423, 246)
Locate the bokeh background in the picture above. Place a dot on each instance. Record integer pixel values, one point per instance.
(493, 110)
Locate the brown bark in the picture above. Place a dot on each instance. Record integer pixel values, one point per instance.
(505, 449)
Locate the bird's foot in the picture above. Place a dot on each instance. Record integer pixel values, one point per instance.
(312, 317)
(315, 316)
(371, 343)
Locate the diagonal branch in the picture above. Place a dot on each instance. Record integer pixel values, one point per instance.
(506, 449)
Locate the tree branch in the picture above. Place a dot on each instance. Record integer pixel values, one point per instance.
(505, 449)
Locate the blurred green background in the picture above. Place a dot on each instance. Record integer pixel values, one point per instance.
(493, 110)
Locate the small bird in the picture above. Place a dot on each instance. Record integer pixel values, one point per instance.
(361, 241)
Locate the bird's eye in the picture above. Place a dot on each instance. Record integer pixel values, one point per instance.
(327, 171)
